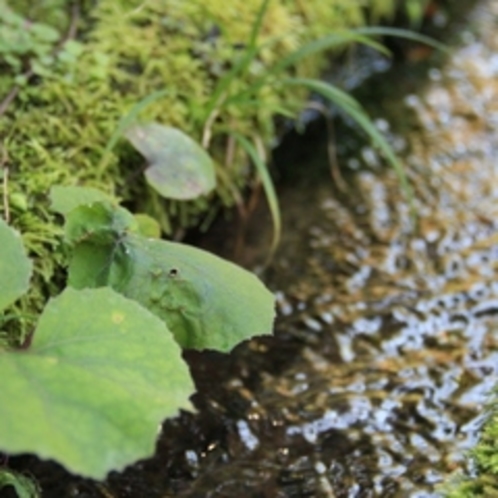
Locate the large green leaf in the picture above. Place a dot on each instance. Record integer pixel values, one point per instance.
(207, 303)
(179, 168)
(15, 267)
(101, 375)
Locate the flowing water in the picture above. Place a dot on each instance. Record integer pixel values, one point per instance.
(386, 346)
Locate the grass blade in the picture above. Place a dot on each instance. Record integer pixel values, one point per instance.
(256, 28)
(402, 33)
(128, 119)
(324, 43)
(354, 110)
(327, 90)
(268, 187)
(359, 35)
(289, 109)
(369, 128)
(240, 68)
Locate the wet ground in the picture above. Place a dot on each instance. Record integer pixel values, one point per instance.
(386, 346)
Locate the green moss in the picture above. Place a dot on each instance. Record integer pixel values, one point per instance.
(57, 129)
(485, 458)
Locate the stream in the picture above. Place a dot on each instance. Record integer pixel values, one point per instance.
(386, 343)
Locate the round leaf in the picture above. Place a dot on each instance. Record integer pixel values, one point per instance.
(179, 168)
(15, 267)
(101, 375)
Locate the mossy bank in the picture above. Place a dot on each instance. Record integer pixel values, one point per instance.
(71, 73)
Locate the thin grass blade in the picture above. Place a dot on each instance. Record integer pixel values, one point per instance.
(326, 43)
(327, 90)
(268, 187)
(288, 109)
(401, 33)
(128, 119)
(369, 128)
(354, 110)
(358, 35)
(240, 68)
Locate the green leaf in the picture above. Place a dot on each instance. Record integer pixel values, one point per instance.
(65, 199)
(353, 109)
(207, 303)
(44, 33)
(240, 67)
(73, 47)
(337, 39)
(101, 375)
(147, 226)
(179, 168)
(402, 33)
(100, 220)
(15, 266)
(23, 486)
(268, 187)
(126, 121)
(92, 264)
